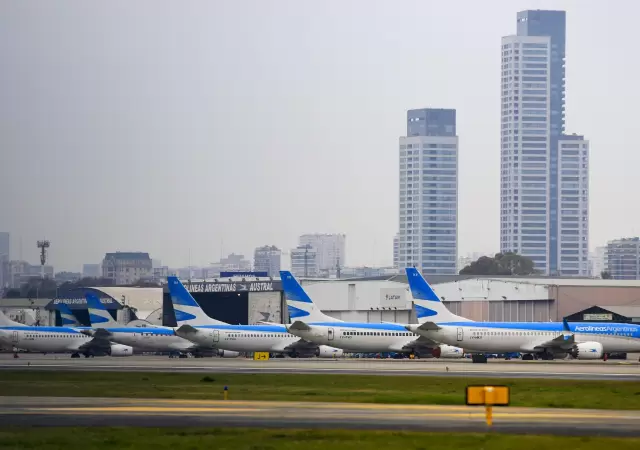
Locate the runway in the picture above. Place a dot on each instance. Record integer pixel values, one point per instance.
(574, 370)
(52, 411)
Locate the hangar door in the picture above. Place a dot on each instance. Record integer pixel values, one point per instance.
(265, 307)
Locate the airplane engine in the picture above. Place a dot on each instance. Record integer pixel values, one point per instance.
(228, 354)
(447, 351)
(121, 350)
(325, 351)
(587, 350)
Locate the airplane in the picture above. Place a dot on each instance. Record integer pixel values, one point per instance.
(315, 326)
(57, 340)
(156, 339)
(545, 340)
(230, 340)
(68, 319)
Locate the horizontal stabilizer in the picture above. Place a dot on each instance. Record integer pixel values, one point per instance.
(428, 326)
(101, 333)
(185, 330)
(299, 326)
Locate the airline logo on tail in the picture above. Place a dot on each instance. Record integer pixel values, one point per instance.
(426, 302)
(68, 319)
(299, 304)
(98, 314)
(186, 309)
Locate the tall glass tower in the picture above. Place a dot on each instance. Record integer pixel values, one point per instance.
(543, 209)
(428, 236)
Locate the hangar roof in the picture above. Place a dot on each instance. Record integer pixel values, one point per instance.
(547, 281)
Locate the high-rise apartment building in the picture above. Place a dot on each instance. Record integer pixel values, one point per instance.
(396, 250)
(304, 261)
(544, 173)
(330, 249)
(428, 236)
(267, 259)
(5, 257)
(623, 259)
(126, 267)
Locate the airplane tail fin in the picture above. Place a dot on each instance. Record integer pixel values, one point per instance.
(6, 322)
(99, 316)
(427, 304)
(68, 319)
(299, 304)
(185, 307)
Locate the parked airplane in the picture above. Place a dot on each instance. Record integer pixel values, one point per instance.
(156, 339)
(68, 319)
(230, 340)
(544, 339)
(57, 340)
(313, 325)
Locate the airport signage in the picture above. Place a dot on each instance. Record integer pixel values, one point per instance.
(392, 297)
(81, 303)
(597, 316)
(234, 286)
(243, 274)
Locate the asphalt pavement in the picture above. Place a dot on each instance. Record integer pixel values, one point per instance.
(60, 412)
(560, 369)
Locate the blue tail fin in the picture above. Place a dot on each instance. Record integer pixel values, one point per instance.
(99, 316)
(185, 307)
(68, 319)
(299, 304)
(426, 302)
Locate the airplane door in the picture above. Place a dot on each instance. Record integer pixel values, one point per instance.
(460, 334)
(14, 337)
(330, 334)
(216, 336)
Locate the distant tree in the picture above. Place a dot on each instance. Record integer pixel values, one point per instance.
(605, 275)
(501, 264)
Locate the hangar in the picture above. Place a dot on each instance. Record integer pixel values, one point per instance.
(243, 300)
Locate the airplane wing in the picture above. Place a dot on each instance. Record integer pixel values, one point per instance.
(101, 333)
(562, 342)
(421, 343)
(100, 344)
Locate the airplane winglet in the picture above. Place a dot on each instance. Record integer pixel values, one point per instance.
(565, 325)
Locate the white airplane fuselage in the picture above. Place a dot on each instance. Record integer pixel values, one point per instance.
(526, 336)
(44, 339)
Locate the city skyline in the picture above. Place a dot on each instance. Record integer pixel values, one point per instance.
(168, 123)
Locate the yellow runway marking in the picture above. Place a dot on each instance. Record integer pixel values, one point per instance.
(144, 409)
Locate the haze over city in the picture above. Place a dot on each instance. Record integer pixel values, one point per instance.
(191, 129)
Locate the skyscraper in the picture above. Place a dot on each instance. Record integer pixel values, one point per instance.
(428, 236)
(330, 249)
(267, 259)
(544, 173)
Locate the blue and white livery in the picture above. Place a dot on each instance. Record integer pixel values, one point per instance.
(544, 339)
(230, 340)
(150, 339)
(311, 324)
(67, 317)
(57, 340)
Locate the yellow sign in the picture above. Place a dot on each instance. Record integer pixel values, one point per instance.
(488, 396)
(261, 356)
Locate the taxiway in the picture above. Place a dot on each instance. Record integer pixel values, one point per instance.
(579, 370)
(52, 411)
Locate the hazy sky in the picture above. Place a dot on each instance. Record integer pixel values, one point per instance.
(164, 126)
